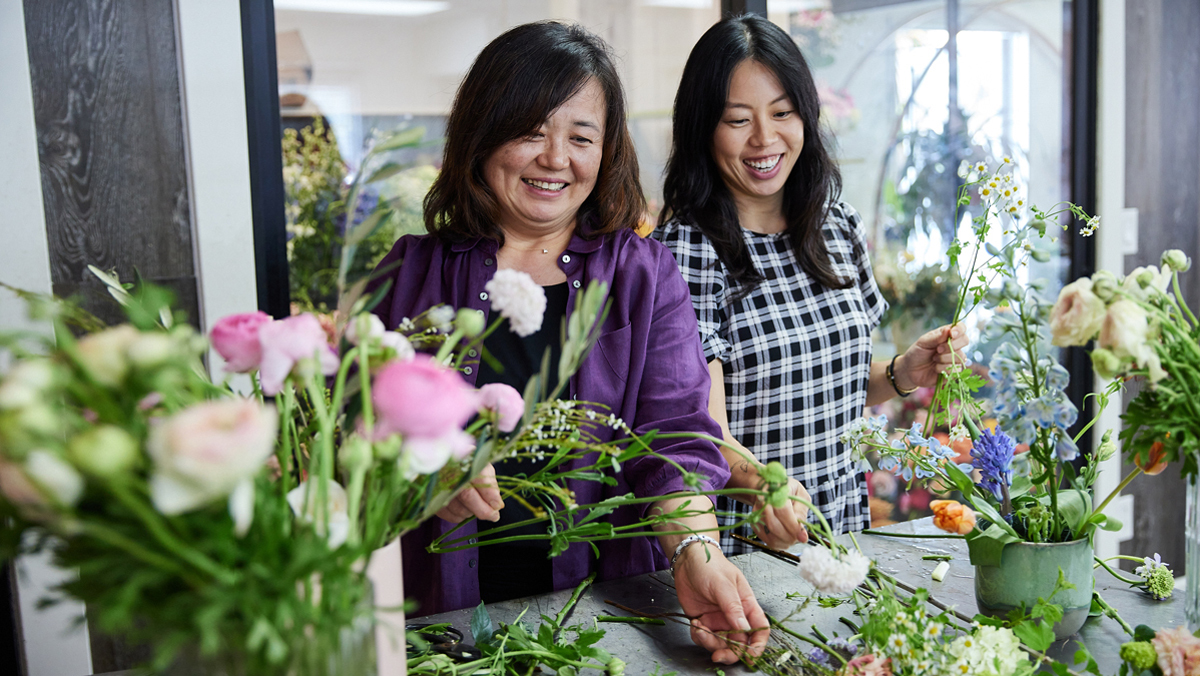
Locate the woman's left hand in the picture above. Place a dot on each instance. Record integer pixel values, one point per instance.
(727, 620)
(920, 365)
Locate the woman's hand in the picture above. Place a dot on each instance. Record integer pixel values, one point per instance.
(480, 499)
(783, 527)
(728, 622)
(920, 365)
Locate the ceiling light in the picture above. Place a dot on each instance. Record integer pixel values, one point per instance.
(375, 7)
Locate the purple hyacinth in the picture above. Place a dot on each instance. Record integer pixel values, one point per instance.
(993, 457)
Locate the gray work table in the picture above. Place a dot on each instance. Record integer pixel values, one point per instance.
(644, 647)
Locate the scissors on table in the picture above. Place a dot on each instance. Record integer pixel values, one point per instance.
(446, 640)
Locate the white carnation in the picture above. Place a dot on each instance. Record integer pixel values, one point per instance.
(832, 575)
(518, 298)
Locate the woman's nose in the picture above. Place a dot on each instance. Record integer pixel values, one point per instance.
(762, 135)
(554, 154)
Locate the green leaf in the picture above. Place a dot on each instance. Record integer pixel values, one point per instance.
(405, 138)
(1036, 636)
(388, 170)
(482, 628)
(1075, 506)
(986, 548)
(1143, 633)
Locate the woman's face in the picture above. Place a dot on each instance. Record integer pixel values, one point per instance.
(760, 135)
(541, 180)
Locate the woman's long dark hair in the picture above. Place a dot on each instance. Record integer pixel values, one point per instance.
(516, 82)
(694, 190)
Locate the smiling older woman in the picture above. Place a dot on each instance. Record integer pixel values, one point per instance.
(540, 176)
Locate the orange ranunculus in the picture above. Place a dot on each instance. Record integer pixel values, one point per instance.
(1156, 461)
(952, 517)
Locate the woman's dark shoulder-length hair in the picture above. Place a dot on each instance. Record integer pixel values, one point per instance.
(693, 189)
(516, 82)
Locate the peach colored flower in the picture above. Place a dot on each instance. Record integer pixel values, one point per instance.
(1155, 461)
(1178, 652)
(952, 517)
(1078, 314)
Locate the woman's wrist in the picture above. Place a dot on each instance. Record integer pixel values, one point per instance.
(899, 377)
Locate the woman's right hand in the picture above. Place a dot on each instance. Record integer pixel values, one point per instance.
(480, 499)
(782, 527)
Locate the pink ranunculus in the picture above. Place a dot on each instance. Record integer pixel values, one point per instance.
(1126, 332)
(203, 452)
(1178, 652)
(421, 399)
(869, 665)
(1078, 314)
(289, 341)
(235, 338)
(506, 402)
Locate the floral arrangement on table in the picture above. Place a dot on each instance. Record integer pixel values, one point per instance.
(1029, 405)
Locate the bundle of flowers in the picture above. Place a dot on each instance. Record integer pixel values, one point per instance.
(1143, 327)
(1166, 652)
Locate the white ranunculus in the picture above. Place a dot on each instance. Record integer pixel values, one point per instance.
(398, 344)
(1077, 315)
(25, 384)
(241, 506)
(833, 575)
(1144, 282)
(55, 476)
(364, 326)
(336, 523)
(1126, 330)
(517, 297)
(105, 354)
(202, 453)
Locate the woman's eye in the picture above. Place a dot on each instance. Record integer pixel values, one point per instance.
(536, 136)
(783, 114)
(583, 139)
(737, 122)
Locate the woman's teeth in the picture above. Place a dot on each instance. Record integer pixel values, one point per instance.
(543, 185)
(766, 164)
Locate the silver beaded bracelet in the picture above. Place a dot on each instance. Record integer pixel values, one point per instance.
(689, 541)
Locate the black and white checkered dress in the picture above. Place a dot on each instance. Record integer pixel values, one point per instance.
(796, 355)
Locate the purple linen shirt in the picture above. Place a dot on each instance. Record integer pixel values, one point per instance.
(647, 367)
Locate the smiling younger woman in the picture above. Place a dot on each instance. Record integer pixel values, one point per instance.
(779, 275)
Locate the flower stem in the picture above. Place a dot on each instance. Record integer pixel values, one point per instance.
(1109, 611)
(1120, 487)
(1122, 578)
(946, 536)
(566, 609)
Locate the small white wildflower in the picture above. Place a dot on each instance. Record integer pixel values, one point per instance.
(897, 641)
(518, 298)
(442, 317)
(1089, 228)
(959, 433)
(406, 325)
(831, 575)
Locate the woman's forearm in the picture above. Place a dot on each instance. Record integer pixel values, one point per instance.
(704, 524)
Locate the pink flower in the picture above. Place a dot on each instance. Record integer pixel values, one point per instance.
(421, 399)
(235, 338)
(1077, 315)
(204, 452)
(506, 402)
(1178, 652)
(869, 665)
(287, 342)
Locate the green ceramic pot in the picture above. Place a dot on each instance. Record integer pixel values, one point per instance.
(1028, 571)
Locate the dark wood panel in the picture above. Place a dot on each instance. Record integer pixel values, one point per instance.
(1162, 93)
(108, 111)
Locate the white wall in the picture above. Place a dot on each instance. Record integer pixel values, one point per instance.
(52, 644)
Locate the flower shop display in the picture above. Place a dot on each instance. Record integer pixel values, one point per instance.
(1144, 328)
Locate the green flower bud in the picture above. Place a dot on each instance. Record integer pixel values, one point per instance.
(773, 475)
(1176, 260)
(1105, 285)
(1107, 364)
(1161, 583)
(388, 449)
(1107, 448)
(1139, 654)
(616, 666)
(470, 322)
(26, 383)
(39, 421)
(103, 451)
(104, 355)
(355, 454)
(1040, 255)
(1040, 226)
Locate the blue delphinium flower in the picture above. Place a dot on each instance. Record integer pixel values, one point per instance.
(993, 457)
(820, 658)
(1065, 448)
(940, 451)
(914, 436)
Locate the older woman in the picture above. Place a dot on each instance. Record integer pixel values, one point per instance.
(779, 274)
(540, 176)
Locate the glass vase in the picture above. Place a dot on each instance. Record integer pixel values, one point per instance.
(1192, 540)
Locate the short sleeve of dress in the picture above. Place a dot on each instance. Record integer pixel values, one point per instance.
(845, 216)
(705, 277)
